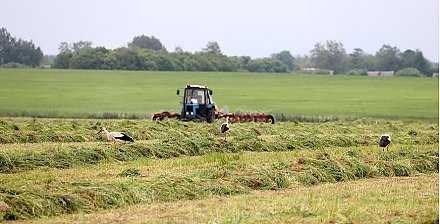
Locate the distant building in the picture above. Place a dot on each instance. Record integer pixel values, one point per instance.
(380, 73)
(317, 71)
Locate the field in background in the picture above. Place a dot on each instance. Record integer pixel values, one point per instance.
(68, 93)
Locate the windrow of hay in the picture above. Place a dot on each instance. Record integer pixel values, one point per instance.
(63, 157)
(339, 133)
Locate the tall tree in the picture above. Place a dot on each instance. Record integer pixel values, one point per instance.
(19, 51)
(358, 59)
(147, 42)
(77, 46)
(6, 46)
(64, 47)
(330, 56)
(387, 58)
(212, 48)
(286, 58)
(62, 60)
(27, 54)
(89, 58)
(416, 60)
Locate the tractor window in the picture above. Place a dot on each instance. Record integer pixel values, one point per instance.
(195, 96)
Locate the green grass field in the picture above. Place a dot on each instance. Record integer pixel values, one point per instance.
(68, 93)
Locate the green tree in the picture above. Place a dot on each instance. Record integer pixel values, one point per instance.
(164, 62)
(240, 63)
(387, 58)
(123, 59)
(409, 72)
(146, 42)
(77, 46)
(7, 42)
(286, 58)
(266, 65)
(64, 47)
(62, 60)
(18, 51)
(330, 56)
(26, 53)
(212, 48)
(416, 60)
(358, 59)
(89, 58)
(185, 61)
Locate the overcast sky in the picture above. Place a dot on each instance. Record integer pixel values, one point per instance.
(241, 27)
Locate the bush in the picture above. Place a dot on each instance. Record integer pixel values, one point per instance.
(14, 65)
(409, 72)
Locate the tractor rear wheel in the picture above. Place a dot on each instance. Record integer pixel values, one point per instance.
(210, 116)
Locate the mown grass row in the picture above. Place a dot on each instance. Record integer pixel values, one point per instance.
(375, 200)
(69, 156)
(173, 138)
(25, 130)
(231, 176)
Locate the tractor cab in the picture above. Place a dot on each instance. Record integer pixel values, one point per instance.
(197, 104)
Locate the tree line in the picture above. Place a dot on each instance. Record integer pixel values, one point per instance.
(13, 50)
(148, 53)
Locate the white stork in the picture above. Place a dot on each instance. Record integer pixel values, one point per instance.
(225, 127)
(385, 141)
(116, 136)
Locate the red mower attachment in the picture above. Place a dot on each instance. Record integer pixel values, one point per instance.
(198, 105)
(247, 117)
(161, 116)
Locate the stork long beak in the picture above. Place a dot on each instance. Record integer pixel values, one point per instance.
(100, 130)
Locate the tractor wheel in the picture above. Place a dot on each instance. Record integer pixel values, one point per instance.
(210, 117)
(270, 119)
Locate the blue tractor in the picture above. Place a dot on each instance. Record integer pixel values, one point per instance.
(197, 105)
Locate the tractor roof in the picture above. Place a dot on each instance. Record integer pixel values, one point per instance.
(197, 86)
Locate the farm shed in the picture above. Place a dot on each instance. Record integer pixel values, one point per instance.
(380, 73)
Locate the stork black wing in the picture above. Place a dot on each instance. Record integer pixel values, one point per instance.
(224, 128)
(384, 141)
(125, 137)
